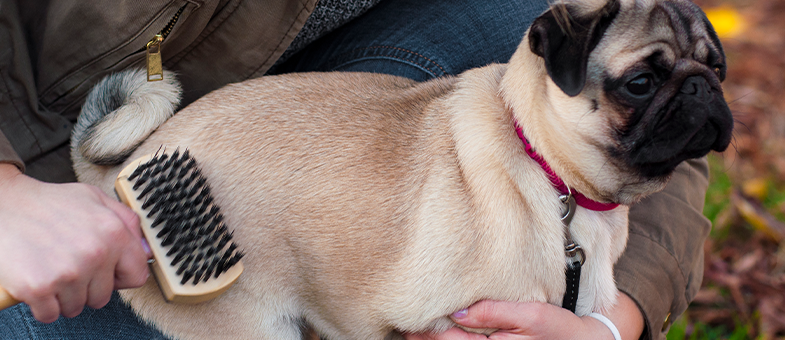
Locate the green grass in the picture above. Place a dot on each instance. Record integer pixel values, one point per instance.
(683, 329)
(775, 200)
(717, 196)
(720, 187)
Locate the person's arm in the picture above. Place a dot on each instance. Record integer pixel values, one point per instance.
(65, 246)
(662, 266)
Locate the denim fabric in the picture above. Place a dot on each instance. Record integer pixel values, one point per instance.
(114, 321)
(418, 39)
(421, 39)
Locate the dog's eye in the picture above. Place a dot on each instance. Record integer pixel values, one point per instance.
(640, 85)
(718, 71)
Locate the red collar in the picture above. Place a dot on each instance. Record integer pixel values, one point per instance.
(557, 182)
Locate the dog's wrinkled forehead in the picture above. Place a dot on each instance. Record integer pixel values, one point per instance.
(593, 40)
(667, 29)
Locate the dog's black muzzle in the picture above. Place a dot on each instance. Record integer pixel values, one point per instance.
(695, 121)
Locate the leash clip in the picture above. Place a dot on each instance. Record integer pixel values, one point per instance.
(573, 251)
(575, 255)
(569, 202)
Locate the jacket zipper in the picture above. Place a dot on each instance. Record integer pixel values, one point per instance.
(155, 69)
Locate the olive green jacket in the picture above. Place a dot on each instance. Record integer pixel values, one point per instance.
(53, 51)
(81, 41)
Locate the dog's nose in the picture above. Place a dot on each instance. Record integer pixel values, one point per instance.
(719, 118)
(696, 86)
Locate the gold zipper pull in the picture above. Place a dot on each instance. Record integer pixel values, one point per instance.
(155, 68)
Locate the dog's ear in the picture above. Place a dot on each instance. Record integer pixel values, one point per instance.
(564, 38)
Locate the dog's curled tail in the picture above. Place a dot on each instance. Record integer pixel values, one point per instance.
(119, 113)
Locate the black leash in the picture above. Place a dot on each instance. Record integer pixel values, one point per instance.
(574, 254)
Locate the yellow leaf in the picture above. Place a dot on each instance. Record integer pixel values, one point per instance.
(727, 22)
(756, 188)
(754, 214)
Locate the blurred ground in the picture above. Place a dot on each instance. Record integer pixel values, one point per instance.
(743, 293)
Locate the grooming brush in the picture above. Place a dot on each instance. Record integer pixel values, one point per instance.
(194, 256)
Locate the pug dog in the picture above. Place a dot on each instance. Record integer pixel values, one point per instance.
(370, 204)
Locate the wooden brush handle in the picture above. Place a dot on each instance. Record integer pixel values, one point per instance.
(6, 300)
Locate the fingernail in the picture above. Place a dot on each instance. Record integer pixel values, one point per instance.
(146, 247)
(460, 314)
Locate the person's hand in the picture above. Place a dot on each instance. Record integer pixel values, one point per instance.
(539, 321)
(65, 246)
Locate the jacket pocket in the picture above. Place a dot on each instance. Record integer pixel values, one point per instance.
(108, 40)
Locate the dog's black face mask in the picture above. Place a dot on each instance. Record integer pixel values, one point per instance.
(692, 120)
(677, 112)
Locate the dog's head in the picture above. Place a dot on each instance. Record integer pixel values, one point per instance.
(635, 90)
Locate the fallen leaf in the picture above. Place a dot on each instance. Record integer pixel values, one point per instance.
(727, 22)
(757, 188)
(757, 216)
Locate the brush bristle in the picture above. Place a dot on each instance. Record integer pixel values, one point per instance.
(190, 227)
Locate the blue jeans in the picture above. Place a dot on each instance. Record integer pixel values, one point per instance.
(421, 40)
(418, 39)
(114, 321)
